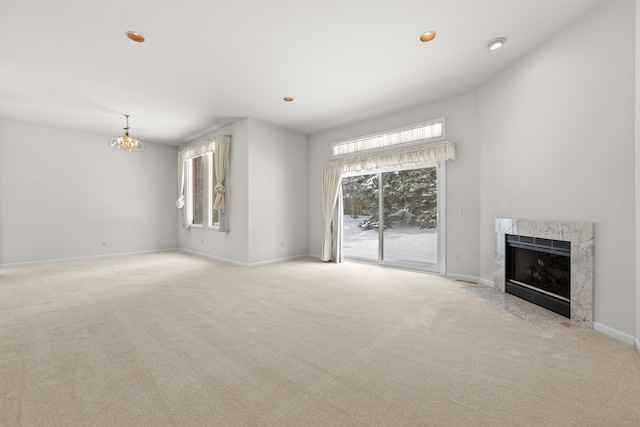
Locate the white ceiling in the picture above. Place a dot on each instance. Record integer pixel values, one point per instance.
(209, 62)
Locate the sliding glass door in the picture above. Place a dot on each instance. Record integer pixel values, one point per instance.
(360, 200)
(392, 217)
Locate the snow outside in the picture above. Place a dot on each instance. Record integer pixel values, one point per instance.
(410, 216)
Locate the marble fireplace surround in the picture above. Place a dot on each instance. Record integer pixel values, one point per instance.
(579, 233)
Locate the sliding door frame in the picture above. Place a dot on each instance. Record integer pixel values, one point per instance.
(440, 266)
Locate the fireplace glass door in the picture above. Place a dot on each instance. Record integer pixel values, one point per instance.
(539, 271)
(544, 271)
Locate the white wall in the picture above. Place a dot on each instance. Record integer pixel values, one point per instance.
(63, 193)
(461, 178)
(558, 143)
(637, 171)
(266, 197)
(278, 220)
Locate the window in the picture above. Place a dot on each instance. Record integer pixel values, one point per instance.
(199, 169)
(391, 216)
(431, 131)
(202, 182)
(197, 189)
(406, 164)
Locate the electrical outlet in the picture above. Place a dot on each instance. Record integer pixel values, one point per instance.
(458, 257)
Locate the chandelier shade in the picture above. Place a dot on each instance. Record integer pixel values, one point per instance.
(126, 142)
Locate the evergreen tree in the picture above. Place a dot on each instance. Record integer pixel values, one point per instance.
(409, 198)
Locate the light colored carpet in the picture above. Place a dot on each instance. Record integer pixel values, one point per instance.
(178, 340)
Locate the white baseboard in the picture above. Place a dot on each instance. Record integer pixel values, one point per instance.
(217, 258)
(620, 336)
(244, 264)
(47, 261)
(472, 279)
(486, 282)
(226, 260)
(275, 261)
(462, 277)
(637, 346)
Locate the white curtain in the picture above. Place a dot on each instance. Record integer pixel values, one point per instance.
(180, 201)
(338, 226)
(183, 170)
(331, 183)
(221, 162)
(433, 152)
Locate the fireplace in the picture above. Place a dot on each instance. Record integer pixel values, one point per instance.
(539, 271)
(552, 239)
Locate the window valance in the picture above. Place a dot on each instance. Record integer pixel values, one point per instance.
(426, 153)
(200, 149)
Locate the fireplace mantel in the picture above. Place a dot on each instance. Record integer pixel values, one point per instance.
(579, 233)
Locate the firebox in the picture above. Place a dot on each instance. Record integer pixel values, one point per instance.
(539, 270)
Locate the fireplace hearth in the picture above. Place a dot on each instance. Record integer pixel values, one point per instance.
(539, 271)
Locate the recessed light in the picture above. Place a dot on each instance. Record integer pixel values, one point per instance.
(496, 43)
(428, 36)
(287, 99)
(136, 37)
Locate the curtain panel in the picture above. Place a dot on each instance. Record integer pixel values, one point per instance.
(221, 161)
(337, 228)
(222, 146)
(433, 152)
(331, 185)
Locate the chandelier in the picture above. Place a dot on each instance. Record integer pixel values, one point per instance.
(126, 142)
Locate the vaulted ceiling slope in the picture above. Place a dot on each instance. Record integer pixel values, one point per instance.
(206, 63)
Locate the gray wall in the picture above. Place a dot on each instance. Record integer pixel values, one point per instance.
(63, 193)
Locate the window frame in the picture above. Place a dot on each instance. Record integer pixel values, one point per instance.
(440, 266)
(190, 191)
(391, 146)
(208, 194)
(201, 194)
